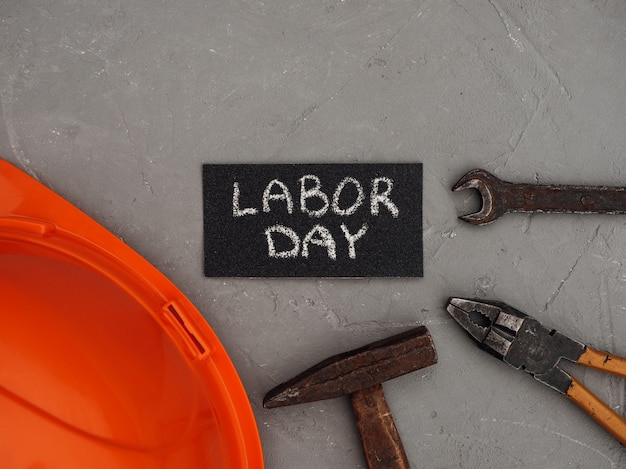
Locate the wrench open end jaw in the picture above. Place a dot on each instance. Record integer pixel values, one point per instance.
(482, 181)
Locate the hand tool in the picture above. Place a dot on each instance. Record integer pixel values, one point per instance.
(500, 197)
(360, 374)
(524, 343)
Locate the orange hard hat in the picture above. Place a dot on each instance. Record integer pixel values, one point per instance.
(104, 363)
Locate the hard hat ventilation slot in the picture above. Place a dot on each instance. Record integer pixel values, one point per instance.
(197, 348)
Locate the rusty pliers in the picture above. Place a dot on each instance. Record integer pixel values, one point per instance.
(524, 343)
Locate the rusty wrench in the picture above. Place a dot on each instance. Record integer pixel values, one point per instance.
(500, 197)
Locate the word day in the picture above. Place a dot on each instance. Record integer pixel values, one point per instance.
(314, 203)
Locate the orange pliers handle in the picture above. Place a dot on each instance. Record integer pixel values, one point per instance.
(598, 410)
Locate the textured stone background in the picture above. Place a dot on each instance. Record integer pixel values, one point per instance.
(116, 104)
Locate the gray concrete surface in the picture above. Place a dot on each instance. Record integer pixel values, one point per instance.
(116, 104)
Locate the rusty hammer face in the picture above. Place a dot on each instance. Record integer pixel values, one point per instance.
(360, 374)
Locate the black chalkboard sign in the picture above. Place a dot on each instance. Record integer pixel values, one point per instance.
(313, 220)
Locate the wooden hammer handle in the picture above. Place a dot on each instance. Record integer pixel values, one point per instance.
(379, 435)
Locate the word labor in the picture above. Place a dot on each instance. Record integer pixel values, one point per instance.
(315, 203)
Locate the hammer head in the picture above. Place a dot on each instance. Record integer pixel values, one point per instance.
(358, 369)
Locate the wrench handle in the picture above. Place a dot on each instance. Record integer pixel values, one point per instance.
(563, 199)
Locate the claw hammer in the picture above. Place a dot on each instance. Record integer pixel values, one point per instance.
(360, 374)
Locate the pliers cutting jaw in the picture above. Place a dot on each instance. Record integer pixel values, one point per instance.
(493, 326)
(524, 343)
